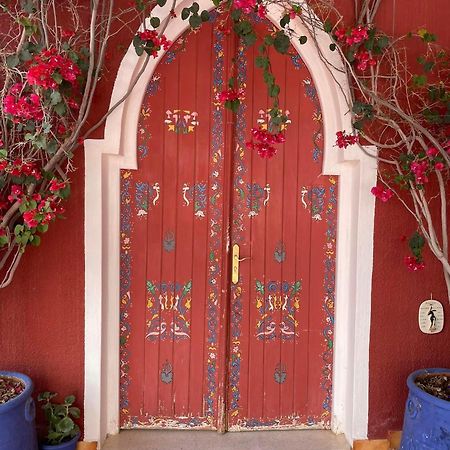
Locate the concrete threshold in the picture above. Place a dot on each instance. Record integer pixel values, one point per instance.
(210, 440)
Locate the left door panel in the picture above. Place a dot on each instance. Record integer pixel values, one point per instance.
(172, 243)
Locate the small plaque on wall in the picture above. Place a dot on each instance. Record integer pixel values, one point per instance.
(431, 317)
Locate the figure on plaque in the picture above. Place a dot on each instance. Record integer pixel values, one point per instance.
(432, 318)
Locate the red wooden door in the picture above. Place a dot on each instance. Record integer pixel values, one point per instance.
(197, 350)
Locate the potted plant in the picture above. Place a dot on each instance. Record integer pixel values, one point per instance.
(17, 412)
(63, 433)
(427, 413)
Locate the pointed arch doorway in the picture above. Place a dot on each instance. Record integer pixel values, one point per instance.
(102, 268)
(201, 348)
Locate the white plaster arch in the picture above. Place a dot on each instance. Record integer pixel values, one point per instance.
(105, 157)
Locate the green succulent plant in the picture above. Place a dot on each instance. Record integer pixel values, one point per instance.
(61, 426)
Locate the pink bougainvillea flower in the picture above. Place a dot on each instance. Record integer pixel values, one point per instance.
(343, 140)
(383, 194)
(265, 142)
(56, 185)
(154, 42)
(29, 218)
(3, 164)
(439, 166)
(419, 169)
(230, 95)
(432, 152)
(262, 12)
(24, 107)
(264, 150)
(246, 5)
(413, 263)
(357, 35)
(364, 60)
(16, 193)
(340, 34)
(73, 104)
(47, 64)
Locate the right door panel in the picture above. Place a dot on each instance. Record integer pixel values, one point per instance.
(284, 220)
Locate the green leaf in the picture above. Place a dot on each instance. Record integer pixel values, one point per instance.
(420, 80)
(65, 425)
(155, 22)
(194, 7)
(204, 16)
(195, 21)
(262, 62)
(42, 228)
(3, 153)
(57, 77)
(60, 109)
(285, 20)
(12, 61)
(25, 55)
(18, 229)
(185, 13)
(74, 412)
(327, 26)
(161, 2)
(55, 98)
(236, 14)
(274, 90)
(70, 399)
(281, 43)
(36, 240)
(249, 39)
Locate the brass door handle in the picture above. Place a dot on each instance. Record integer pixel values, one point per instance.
(235, 264)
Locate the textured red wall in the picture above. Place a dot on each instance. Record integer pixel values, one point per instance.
(397, 347)
(42, 312)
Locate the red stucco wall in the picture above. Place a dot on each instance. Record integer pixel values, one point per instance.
(42, 312)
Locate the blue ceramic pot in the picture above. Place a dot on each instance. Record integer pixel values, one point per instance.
(426, 424)
(17, 429)
(68, 445)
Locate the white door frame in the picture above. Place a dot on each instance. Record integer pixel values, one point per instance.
(105, 157)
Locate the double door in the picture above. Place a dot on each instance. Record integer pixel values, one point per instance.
(227, 259)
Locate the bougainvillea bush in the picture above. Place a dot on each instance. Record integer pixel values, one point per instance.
(399, 102)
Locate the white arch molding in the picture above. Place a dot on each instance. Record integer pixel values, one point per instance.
(105, 157)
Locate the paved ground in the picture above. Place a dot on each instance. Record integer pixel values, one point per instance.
(210, 440)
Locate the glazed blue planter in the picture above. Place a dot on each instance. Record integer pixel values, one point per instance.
(426, 424)
(68, 445)
(17, 429)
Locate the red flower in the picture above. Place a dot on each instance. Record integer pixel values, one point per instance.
(357, 35)
(230, 95)
(413, 263)
(29, 218)
(266, 140)
(419, 170)
(56, 185)
(439, 166)
(246, 5)
(383, 194)
(16, 192)
(363, 60)
(432, 152)
(154, 42)
(3, 164)
(46, 64)
(343, 140)
(340, 34)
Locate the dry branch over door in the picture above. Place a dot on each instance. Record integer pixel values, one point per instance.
(197, 184)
